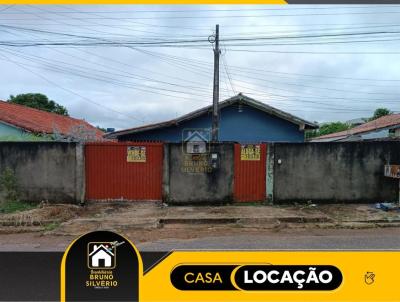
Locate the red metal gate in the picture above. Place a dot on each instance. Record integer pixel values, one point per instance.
(250, 172)
(128, 171)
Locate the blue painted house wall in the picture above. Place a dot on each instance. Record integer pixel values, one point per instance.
(248, 126)
(11, 133)
(8, 130)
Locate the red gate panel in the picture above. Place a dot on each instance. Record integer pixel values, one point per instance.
(250, 175)
(109, 174)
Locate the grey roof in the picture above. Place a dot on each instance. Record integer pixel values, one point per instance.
(240, 99)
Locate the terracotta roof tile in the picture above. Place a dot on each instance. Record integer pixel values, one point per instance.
(382, 122)
(39, 121)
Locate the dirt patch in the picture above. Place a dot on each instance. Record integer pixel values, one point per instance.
(358, 213)
(152, 217)
(42, 215)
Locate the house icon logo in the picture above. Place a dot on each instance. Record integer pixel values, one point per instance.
(101, 255)
(195, 141)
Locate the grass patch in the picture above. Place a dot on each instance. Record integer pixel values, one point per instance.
(51, 226)
(15, 206)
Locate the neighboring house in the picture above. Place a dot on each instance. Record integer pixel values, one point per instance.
(242, 119)
(385, 127)
(19, 122)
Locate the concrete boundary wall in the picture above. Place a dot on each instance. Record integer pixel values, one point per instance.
(184, 185)
(335, 172)
(46, 171)
(296, 172)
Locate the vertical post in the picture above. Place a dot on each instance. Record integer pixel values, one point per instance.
(80, 173)
(270, 173)
(166, 174)
(215, 117)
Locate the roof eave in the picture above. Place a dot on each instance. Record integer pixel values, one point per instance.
(269, 109)
(237, 98)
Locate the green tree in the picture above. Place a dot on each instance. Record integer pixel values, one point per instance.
(328, 128)
(38, 101)
(102, 129)
(380, 112)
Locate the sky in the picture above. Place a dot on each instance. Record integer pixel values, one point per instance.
(122, 66)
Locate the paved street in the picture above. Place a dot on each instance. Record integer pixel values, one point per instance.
(297, 239)
(381, 239)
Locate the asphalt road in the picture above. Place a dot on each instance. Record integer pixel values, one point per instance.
(376, 239)
(288, 239)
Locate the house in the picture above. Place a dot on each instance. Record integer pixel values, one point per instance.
(242, 119)
(101, 257)
(18, 122)
(385, 127)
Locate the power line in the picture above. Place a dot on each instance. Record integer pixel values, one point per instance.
(207, 28)
(341, 108)
(309, 95)
(202, 63)
(146, 52)
(331, 7)
(189, 44)
(222, 17)
(136, 76)
(68, 90)
(120, 83)
(6, 8)
(227, 74)
(89, 37)
(315, 87)
(313, 76)
(196, 66)
(158, 36)
(84, 74)
(321, 88)
(319, 52)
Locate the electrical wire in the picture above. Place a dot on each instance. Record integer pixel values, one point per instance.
(68, 90)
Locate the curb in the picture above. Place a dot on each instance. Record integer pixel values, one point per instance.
(289, 222)
(246, 220)
(164, 221)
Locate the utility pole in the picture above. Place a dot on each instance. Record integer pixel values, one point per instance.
(215, 113)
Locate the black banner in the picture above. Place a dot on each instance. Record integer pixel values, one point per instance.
(101, 266)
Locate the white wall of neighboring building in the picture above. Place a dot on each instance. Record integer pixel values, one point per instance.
(8, 130)
(10, 133)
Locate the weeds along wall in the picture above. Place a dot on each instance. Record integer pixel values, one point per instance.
(45, 171)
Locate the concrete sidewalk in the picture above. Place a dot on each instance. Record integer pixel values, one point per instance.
(151, 215)
(120, 216)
